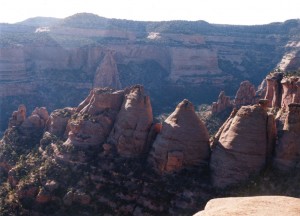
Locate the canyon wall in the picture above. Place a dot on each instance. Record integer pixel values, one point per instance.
(56, 63)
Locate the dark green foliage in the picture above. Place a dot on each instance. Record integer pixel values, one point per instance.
(292, 73)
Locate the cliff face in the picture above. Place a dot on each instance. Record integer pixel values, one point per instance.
(50, 64)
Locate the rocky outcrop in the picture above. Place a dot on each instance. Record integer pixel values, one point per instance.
(245, 94)
(107, 73)
(287, 155)
(27, 125)
(257, 205)
(94, 118)
(222, 104)
(242, 146)
(274, 89)
(58, 121)
(37, 119)
(130, 131)
(182, 142)
(18, 117)
(290, 91)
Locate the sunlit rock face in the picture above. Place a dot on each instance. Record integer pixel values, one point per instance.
(243, 146)
(48, 64)
(274, 89)
(94, 118)
(222, 104)
(130, 132)
(287, 154)
(182, 142)
(245, 95)
(290, 91)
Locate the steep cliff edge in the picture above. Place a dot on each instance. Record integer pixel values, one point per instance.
(39, 64)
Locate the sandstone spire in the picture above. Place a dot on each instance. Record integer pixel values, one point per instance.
(130, 131)
(183, 141)
(243, 145)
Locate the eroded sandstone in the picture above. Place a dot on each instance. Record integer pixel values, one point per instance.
(182, 142)
(287, 155)
(130, 131)
(243, 146)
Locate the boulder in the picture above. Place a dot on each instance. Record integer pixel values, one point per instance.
(287, 151)
(245, 94)
(183, 141)
(257, 205)
(242, 146)
(130, 131)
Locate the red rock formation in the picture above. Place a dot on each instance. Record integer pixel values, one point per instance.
(94, 119)
(183, 141)
(58, 121)
(242, 146)
(262, 89)
(257, 205)
(287, 156)
(18, 117)
(107, 73)
(75, 62)
(292, 63)
(245, 94)
(130, 131)
(274, 89)
(290, 91)
(37, 119)
(222, 104)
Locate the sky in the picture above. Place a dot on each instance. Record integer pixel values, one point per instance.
(245, 12)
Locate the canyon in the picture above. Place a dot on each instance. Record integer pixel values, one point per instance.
(110, 156)
(56, 62)
(79, 103)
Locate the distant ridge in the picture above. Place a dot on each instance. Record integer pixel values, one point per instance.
(40, 21)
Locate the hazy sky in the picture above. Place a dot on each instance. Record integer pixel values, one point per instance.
(214, 11)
